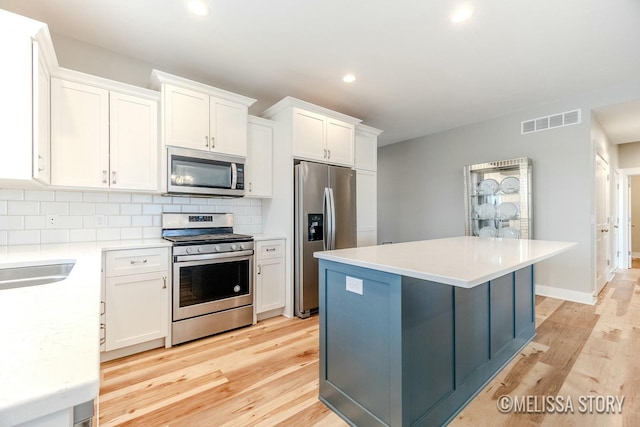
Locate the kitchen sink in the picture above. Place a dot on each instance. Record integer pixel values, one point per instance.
(19, 277)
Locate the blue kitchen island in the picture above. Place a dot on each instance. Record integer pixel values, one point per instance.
(411, 332)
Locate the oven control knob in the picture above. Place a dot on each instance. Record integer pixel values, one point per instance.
(234, 247)
(218, 248)
(189, 250)
(199, 249)
(242, 247)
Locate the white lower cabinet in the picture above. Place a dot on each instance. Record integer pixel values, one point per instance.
(136, 298)
(269, 278)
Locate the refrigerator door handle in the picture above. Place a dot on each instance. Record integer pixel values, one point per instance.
(332, 205)
(326, 244)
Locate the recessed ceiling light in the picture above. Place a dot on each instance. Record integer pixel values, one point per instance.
(349, 78)
(461, 14)
(198, 7)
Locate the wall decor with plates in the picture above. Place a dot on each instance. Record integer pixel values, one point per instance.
(498, 199)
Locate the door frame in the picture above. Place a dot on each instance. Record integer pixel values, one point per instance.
(625, 218)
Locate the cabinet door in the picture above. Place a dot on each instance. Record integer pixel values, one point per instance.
(186, 118)
(41, 119)
(79, 135)
(228, 121)
(136, 309)
(133, 142)
(340, 142)
(366, 204)
(366, 151)
(309, 135)
(259, 166)
(270, 285)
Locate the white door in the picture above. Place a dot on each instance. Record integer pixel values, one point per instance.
(259, 166)
(603, 252)
(340, 142)
(41, 118)
(270, 289)
(309, 135)
(186, 118)
(79, 135)
(228, 127)
(136, 309)
(366, 207)
(134, 142)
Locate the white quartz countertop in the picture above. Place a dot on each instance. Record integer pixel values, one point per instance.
(459, 261)
(50, 333)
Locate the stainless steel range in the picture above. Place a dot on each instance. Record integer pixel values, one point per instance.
(212, 289)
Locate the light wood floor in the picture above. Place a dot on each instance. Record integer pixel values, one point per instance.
(267, 374)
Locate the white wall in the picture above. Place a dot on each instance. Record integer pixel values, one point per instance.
(420, 183)
(23, 215)
(635, 215)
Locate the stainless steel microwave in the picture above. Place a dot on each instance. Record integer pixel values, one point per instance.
(200, 173)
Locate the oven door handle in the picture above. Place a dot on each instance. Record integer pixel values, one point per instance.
(204, 257)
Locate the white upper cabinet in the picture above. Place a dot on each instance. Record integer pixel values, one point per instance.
(316, 133)
(367, 148)
(228, 127)
(340, 142)
(186, 118)
(28, 61)
(309, 135)
(318, 137)
(259, 164)
(41, 117)
(102, 138)
(133, 142)
(79, 135)
(202, 117)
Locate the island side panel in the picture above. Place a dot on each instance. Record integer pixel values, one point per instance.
(427, 345)
(360, 342)
(525, 309)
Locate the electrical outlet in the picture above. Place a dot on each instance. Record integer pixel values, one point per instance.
(52, 221)
(100, 221)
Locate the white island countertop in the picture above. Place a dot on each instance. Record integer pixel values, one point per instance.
(50, 333)
(459, 261)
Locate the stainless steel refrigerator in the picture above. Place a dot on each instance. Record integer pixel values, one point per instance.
(325, 219)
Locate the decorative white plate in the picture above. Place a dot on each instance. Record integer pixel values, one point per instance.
(506, 210)
(510, 184)
(486, 211)
(488, 231)
(489, 186)
(509, 233)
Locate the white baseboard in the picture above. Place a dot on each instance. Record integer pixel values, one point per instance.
(566, 294)
(635, 254)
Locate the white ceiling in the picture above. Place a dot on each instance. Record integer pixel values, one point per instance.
(417, 72)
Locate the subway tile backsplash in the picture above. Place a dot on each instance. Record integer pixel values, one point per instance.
(97, 216)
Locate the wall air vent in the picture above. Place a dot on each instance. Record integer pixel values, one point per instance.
(551, 122)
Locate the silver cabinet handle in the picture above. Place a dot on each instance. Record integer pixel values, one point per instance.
(213, 142)
(328, 154)
(164, 282)
(144, 261)
(103, 331)
(113, 177)
(249, 187)
(259, 269)
(40, 169)
(103, 307)
(104, 176)
(271, 249)
(206, 141)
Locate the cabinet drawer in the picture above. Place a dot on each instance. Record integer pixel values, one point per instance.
(136, 261)
(269, 249)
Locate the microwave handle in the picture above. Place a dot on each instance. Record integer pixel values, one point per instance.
(234, 176)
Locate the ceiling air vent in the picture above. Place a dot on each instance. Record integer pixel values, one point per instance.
(551, 122)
